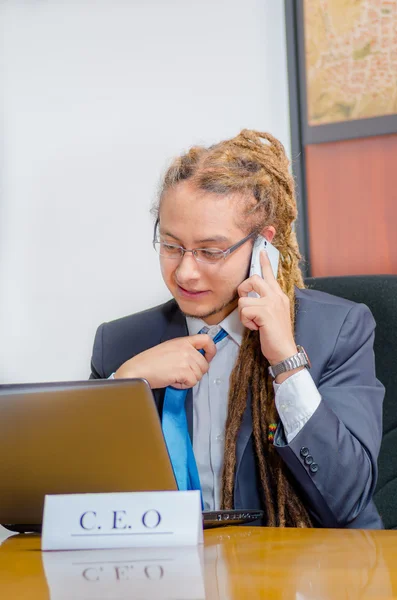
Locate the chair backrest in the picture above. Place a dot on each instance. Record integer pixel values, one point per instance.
(379, 293)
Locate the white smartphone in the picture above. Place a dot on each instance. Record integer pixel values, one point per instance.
(260, 244)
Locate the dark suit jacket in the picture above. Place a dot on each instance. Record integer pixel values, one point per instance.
(344, 434)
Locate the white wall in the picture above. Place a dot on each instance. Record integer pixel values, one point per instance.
(96, 97)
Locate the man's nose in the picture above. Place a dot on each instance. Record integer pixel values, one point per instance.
(188, 268)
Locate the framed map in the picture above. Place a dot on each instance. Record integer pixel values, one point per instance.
(351, 59)
(346, 67)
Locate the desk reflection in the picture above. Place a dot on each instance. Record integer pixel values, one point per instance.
(300, 564)
(157, 573)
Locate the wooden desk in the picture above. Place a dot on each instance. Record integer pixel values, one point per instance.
(239, 562)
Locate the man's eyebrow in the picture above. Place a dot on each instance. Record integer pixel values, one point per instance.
(215, 238)
(167, 233)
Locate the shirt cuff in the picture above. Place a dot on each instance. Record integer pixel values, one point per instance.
(297, 398)
(111, 376)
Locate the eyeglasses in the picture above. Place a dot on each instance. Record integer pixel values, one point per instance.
(205, 255)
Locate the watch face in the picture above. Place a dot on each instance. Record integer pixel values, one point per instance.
(301, 349)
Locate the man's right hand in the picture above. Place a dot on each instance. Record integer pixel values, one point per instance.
(176, 362)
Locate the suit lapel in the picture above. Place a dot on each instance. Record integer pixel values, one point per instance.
(244, 433)
(176, 326)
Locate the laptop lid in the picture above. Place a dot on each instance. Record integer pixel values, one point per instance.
(78, 437)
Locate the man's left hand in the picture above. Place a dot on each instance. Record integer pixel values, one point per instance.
(270, 313)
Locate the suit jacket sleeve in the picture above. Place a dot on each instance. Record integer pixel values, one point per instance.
(343, 436)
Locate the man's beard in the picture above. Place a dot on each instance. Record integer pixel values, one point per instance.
(216, 310)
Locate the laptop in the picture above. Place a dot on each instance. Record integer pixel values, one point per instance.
(83, 437)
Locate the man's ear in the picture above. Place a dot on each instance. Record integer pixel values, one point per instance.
(268, 233)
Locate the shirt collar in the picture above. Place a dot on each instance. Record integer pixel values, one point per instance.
(231, 324)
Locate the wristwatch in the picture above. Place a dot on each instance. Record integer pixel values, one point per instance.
(300, 359)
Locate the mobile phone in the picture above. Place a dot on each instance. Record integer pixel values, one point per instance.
(260, 244)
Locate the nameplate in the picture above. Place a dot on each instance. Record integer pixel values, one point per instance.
(122, 520)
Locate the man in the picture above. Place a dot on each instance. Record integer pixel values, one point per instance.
(303, 446)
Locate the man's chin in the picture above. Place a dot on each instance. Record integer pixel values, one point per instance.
(197, 312)
(204, 312)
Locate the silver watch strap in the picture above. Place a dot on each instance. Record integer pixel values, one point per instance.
(293, 362)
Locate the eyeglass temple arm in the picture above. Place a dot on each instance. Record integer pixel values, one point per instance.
(241, 242)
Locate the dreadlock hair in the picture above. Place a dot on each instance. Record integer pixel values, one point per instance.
(254, 165)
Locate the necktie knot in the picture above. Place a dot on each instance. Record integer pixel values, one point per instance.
(216, 333)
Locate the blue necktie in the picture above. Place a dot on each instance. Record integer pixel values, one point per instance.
(176, 434)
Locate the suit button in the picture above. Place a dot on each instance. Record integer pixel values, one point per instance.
(304, 451)
(314, 467)
(309, 459)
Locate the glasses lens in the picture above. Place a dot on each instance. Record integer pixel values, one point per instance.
(167, 250)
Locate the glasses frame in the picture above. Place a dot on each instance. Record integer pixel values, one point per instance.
(194, 251)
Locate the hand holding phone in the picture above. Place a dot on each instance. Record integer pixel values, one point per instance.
(267, 311)
(261, 243)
